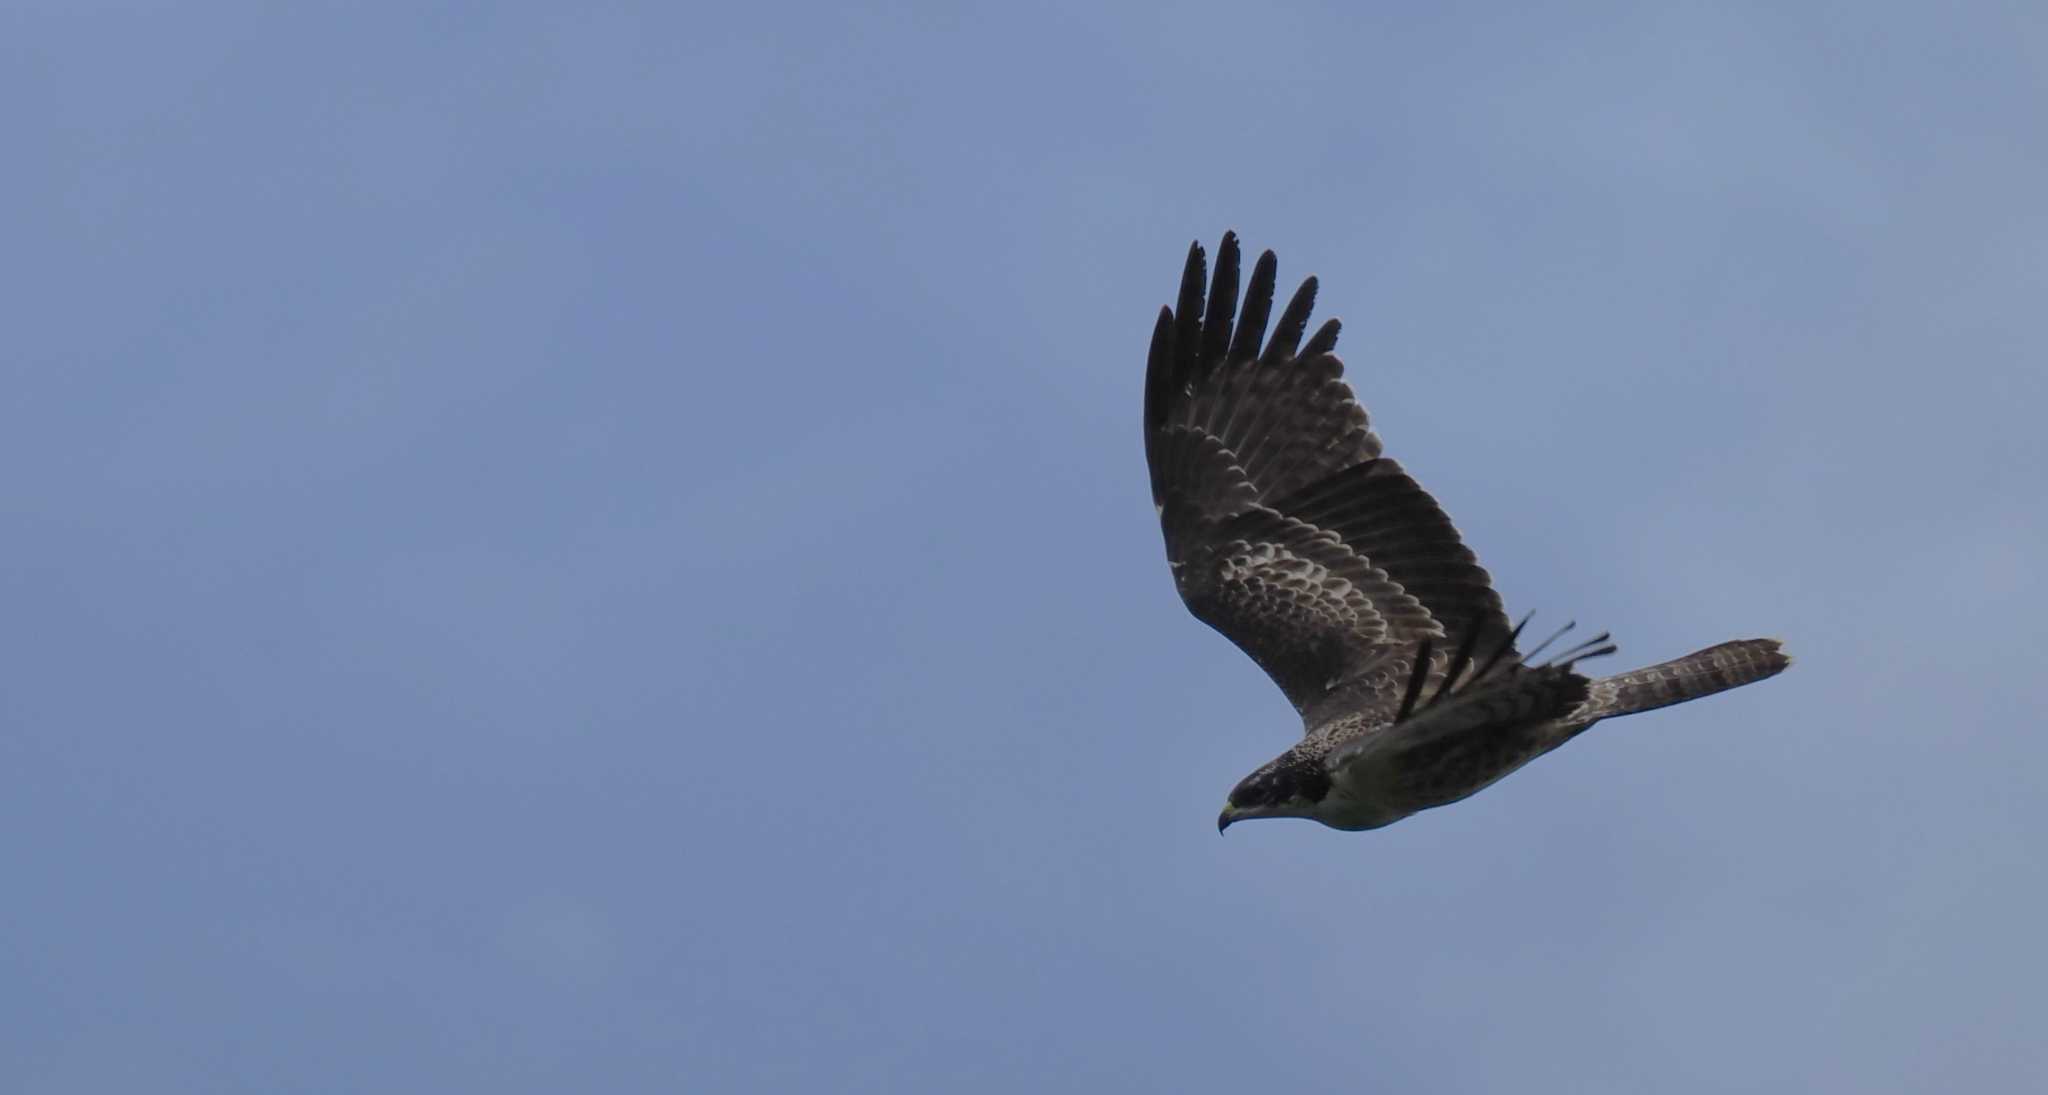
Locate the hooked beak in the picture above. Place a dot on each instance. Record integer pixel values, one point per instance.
(1224, 819)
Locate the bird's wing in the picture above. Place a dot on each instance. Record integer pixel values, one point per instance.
(1286, 529)
(1463, 703)
(1469, 716)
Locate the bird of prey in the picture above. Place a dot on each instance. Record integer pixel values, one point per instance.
(1291, 534)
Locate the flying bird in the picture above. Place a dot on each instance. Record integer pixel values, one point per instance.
(1288, 531)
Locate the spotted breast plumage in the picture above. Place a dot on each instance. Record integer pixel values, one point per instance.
(1290, 532)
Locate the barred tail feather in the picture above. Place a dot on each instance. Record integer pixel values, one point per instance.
(1700, 673)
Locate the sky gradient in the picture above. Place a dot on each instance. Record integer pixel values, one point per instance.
(607, 548)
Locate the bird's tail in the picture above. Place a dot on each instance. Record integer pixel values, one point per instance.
(1700, 673)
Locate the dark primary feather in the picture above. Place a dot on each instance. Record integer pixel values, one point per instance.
(1287, 530)
(1418, 675)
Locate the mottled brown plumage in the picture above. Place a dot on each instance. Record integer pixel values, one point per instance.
(1290, 532)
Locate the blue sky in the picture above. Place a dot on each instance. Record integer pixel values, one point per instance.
(607, 548)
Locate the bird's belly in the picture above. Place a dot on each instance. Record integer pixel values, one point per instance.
(1382, 786)
(1342, 810)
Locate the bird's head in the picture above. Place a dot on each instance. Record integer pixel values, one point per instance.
(1290, 785)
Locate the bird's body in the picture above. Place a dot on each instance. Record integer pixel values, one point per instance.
(1290, 533)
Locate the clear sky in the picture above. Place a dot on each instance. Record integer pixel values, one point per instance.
(605, 548)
